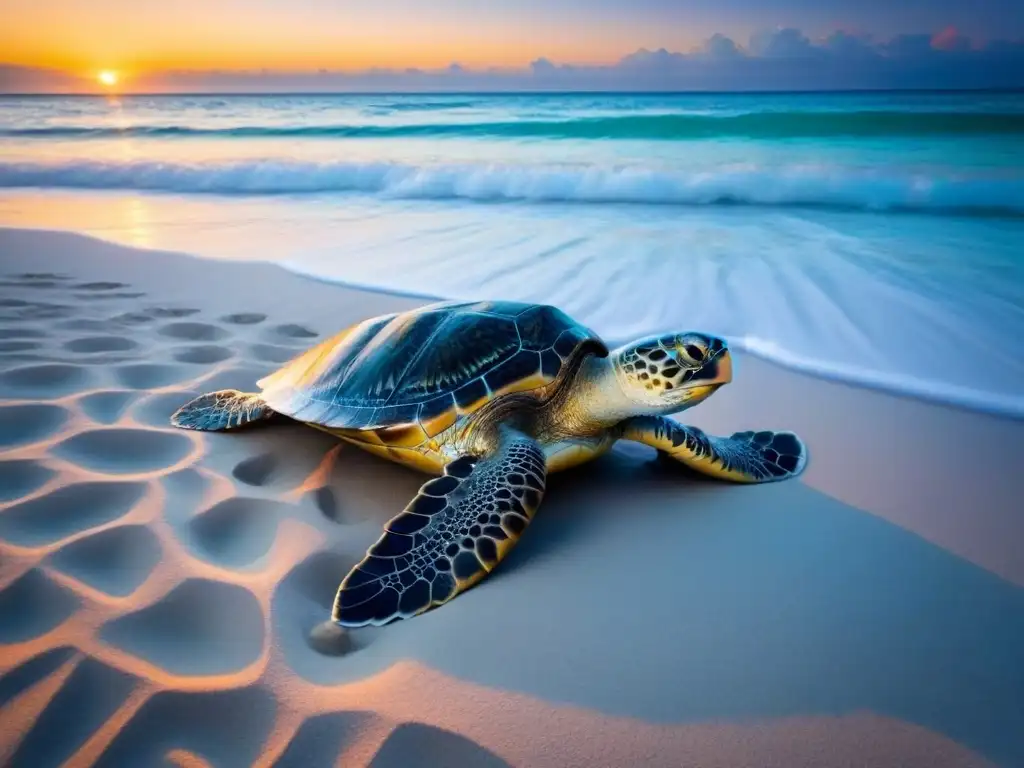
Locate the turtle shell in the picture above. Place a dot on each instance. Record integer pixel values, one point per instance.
(427, 366)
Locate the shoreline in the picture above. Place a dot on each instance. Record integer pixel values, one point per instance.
(912, 387)
(871, 612)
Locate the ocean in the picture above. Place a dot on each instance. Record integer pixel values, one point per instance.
(874, 238)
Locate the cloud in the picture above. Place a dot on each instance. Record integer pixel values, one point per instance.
(909, 46)
(778, 59)
(950, 40)
(787, 43)
(848, 45)
(658, 61)
(718, 47)
(15, 79)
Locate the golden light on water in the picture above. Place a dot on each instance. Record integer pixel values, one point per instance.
(107, 77)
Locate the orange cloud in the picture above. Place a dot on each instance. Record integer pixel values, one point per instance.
(950, 39)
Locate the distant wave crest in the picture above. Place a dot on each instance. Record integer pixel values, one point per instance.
(668, 127)
(785, 186)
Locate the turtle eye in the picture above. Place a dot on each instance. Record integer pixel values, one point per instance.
(692, 354)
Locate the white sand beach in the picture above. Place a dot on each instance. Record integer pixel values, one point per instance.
(161, 591)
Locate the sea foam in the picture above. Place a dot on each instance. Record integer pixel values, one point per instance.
(794, 185)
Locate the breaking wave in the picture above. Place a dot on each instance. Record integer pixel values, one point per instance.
(759, 186)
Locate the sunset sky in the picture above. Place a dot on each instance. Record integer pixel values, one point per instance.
(140, 39)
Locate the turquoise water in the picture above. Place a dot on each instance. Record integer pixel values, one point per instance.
(877, 238)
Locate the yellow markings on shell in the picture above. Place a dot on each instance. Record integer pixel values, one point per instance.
(402, 435)
(441, 422)
(306, 366)
(377, 450)
(361, 436)
(525, 384)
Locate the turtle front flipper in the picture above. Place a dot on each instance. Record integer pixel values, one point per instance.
(456, 530)
(745, 457)
(221, 410)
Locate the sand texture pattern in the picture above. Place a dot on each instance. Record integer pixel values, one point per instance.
(163, 593)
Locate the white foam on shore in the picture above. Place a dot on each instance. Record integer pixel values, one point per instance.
(741, 184)
(926, 306)
(802, 293)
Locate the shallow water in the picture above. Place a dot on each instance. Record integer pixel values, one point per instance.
(870, 237)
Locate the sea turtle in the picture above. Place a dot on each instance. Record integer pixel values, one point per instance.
(491, 396)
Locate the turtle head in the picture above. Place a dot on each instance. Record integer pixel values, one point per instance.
(669, 373)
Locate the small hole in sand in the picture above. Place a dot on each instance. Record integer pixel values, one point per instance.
(330, 639)
(244, 318)
(294, 331)
(256, 470)
(169, 312)
(203, 355)
(100, 344)
(194, 331)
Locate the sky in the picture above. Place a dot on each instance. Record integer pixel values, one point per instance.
(215, 44)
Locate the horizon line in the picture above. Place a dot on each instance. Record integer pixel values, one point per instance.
(513, 92)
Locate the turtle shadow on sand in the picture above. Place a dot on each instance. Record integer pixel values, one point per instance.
(744, 602)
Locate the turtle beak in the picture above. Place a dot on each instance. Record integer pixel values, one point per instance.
(716, 372)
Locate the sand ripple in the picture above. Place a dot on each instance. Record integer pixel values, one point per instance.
(181, 618)
(116, 560)
(124, 451)
(92, 694)
(150, 375)
(194, 331)
(49, 380)
(33, 605)
(67, 510)
(21, 424)
(201, 627)
(237, 532)
(203, 355)
(106, 407)
(19, 477)
(321, 739)
(223, 729)
(92, 344)
(255, 470)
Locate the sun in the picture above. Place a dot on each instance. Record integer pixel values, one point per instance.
(107, 77)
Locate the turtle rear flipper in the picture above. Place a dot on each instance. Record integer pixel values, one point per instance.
(449, 537)
(226, 409)
(744, 457)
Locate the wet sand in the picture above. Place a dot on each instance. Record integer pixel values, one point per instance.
(161, 590)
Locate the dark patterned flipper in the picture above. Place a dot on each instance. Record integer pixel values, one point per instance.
(745, 457)
(221, 410)
(456, 530)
